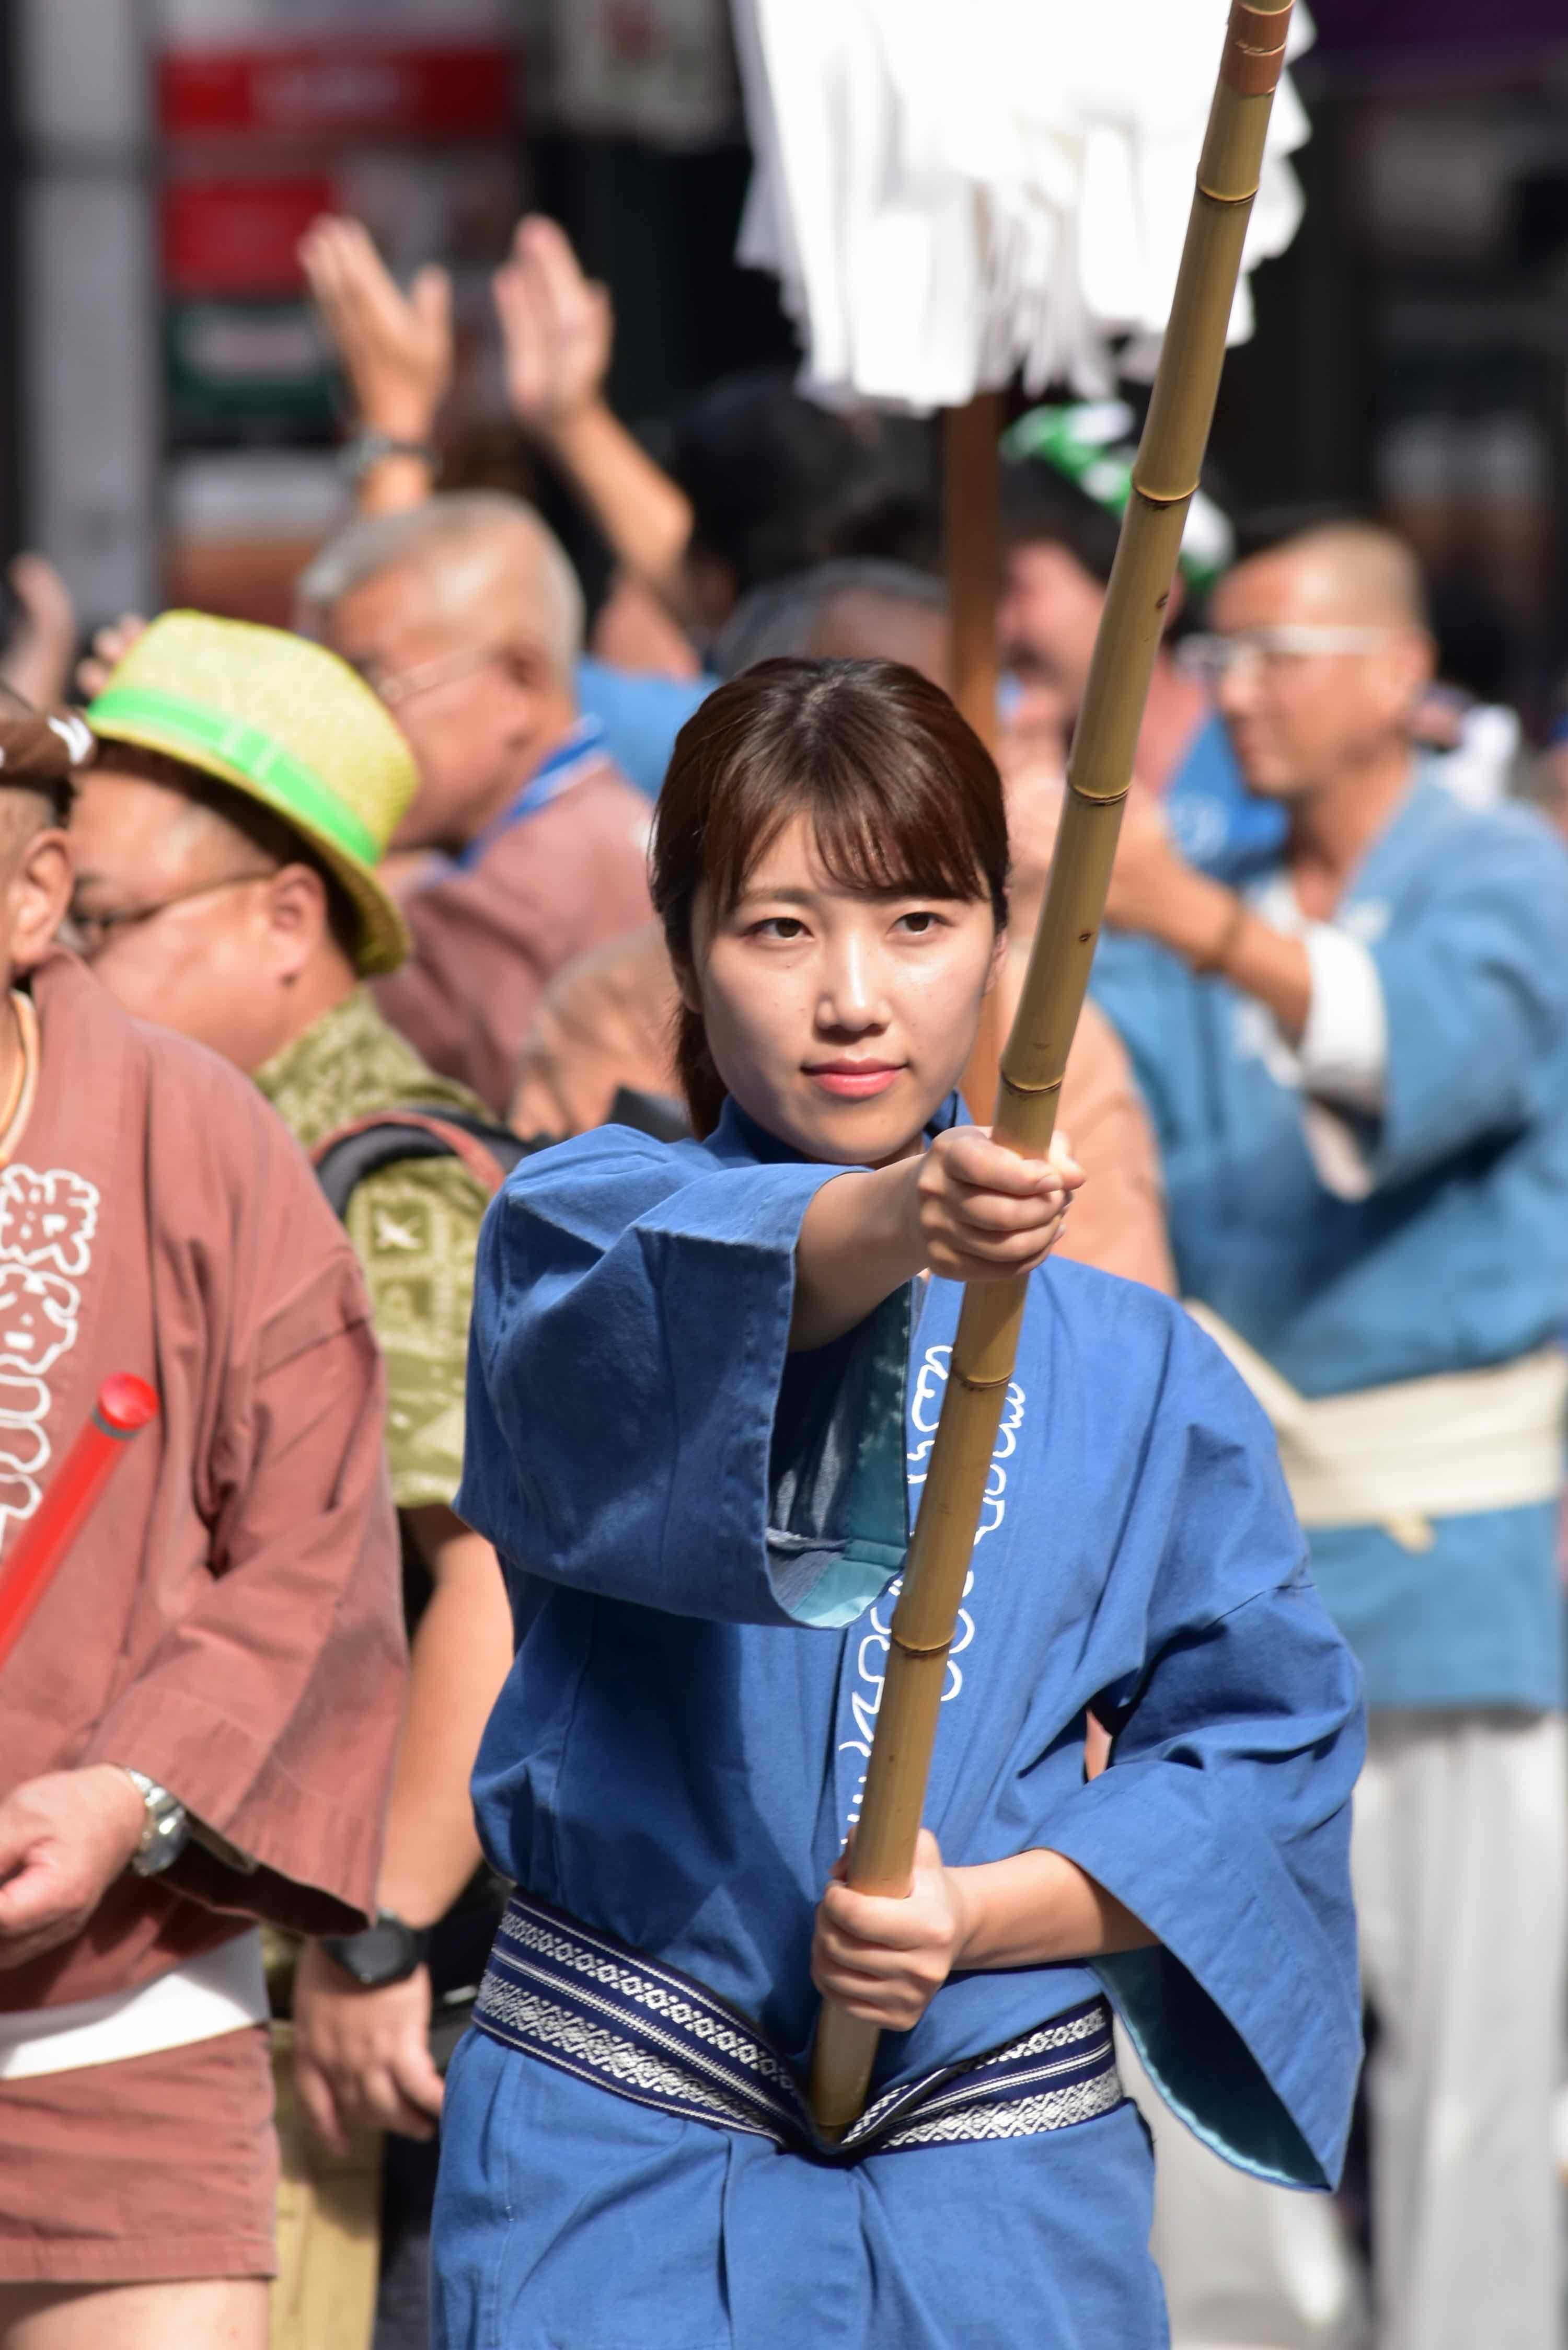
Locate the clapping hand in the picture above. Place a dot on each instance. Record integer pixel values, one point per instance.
(109, 646)
(557, 329)
(37, 661)
(396, 348)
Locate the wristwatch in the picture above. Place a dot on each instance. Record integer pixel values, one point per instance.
(387, 1952)
(367, 449)
(167, 1828)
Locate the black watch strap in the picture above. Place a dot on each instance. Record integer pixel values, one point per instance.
(387, 1952)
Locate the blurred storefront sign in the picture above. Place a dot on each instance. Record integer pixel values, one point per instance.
(339, 86)
(240, 237)
(401, 112)
(229, 366)
(242, 525)
(393, 69)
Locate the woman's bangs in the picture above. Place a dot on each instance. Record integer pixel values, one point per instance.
(875, 840)
(891, 844)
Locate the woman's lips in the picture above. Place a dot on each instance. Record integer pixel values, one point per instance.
(854, 1080)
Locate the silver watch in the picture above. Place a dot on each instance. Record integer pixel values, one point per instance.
(167, 1828)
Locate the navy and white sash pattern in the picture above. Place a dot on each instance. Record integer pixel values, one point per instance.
(592, 2006)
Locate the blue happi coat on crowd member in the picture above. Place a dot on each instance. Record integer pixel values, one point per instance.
(1454, 1257)
(1215, 821)
(699, 1531)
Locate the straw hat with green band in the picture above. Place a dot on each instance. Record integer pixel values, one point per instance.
(289, 724)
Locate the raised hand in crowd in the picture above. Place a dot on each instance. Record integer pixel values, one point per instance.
(395, 349)
(36, 663)
(558, 330)
(108, 648)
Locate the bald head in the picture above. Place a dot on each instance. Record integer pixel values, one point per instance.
(1333, 652)
(482, 561)
(1351, 572)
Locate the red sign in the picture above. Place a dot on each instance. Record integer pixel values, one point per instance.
(239, 236)
(417, 89)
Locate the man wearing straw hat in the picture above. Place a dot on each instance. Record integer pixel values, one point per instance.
(199, 1718)
(225, 849)
(1358, 1069)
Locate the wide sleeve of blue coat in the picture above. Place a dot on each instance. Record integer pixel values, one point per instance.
(636, 1426)
(1223, 1818)
(1475, 986)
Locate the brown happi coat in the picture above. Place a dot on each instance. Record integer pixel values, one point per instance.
(229, 1621)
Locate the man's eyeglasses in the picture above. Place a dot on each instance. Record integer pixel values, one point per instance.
(1212, 659)
(396, 686)
(91, 934)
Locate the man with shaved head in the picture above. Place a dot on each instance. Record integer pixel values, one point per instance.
(1358, 1069)
(466, 618)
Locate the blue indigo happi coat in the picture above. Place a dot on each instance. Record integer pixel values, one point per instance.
(699, 1532)
(1454, 1253)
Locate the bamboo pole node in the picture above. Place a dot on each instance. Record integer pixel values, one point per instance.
(1228, 197)
(1163, 497)
(1052, 1084)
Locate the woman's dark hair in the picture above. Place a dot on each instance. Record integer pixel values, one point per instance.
(900, 791)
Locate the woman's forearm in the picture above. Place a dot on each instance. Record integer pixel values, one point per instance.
(857, 1244)
(1039, 1909)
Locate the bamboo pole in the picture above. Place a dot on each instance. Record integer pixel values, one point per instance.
(971, 533)
(1165, 475)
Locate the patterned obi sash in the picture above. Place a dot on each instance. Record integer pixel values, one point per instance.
(591, 2005)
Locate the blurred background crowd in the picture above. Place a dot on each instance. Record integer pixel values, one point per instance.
(168, 412)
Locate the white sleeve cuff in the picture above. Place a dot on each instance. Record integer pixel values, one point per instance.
(1344, 1051)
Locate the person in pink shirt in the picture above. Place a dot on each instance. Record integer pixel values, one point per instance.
(199, 1719)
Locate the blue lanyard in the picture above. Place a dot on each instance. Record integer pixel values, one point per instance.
(566, 765)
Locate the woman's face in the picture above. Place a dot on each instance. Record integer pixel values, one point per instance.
(839, 1021)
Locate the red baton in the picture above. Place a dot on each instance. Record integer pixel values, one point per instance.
(125, 1404)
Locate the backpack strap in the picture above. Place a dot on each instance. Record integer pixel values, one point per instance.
(420, 1130)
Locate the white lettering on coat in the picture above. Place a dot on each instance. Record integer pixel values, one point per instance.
(925, 1410)
(46, 1223)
